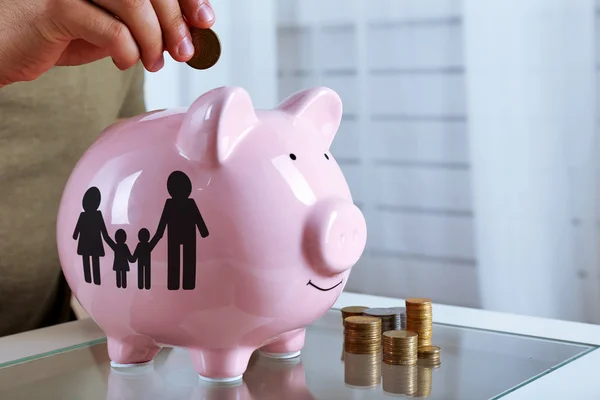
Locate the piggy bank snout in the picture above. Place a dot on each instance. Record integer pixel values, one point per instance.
(335, 236)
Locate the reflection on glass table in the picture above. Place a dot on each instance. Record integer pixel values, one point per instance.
(475, 364)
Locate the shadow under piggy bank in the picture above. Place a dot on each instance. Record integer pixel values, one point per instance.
(171, 378)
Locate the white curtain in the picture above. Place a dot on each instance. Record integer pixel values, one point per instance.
(531, 178)
(531, 85)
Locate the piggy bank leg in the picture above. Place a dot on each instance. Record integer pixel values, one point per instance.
(226, 365)
(288, 345)
(131, 351)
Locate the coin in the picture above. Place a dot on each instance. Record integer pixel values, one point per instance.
(390, 320)
(400, 347)
(207, 48)
(430, 353)
(419, 319)
(418, 301)
(433, 364)
(401, 312)
(362, 335)
(352, 311)
(429, 350)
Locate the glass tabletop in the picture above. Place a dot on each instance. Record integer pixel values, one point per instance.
(475, 364)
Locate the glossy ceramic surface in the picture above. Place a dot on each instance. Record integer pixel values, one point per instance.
(220, 229)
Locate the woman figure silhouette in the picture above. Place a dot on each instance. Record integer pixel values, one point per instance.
(90, 230)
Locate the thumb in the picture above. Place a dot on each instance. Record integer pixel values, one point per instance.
(80, 52)
(106, 33)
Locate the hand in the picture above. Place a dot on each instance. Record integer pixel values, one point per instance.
(36, 35)
(154, 241)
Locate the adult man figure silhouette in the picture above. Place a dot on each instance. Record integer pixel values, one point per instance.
(181, 218)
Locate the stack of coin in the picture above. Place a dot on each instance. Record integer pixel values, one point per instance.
(390, 321)
(419, 319)
(400, 315)
(431, 354)
(424, 381)
(400, 347)
(353, 311)
(362, 335)
(400, 379)
(363, 370)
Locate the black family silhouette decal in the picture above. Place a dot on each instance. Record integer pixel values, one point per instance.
(180, 218)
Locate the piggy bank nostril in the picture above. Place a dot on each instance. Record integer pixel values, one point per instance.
(342, 239)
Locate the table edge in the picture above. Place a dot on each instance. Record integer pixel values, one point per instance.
(54, 338)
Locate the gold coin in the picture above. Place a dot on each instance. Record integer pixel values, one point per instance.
(362, 335)
(207, 48)
(400, 347)
(417, 301)
(363, 320)
(429, 350)
(354, 309)
(433, 364)
(400, 334)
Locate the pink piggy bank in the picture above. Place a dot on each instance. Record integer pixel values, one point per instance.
(220, 229)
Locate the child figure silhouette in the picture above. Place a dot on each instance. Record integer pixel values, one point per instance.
(141, 254)
(122, 257)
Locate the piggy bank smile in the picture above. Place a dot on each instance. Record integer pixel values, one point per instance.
(324, 289)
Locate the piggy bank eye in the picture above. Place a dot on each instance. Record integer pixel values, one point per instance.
(326, 156)
(293, 156)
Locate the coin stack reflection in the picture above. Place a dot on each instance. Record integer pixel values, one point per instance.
(399, 379)
(389, 320)
(362, 335)
(400, 347)
(419, 319)
(352, 311)
(362, 370)
(424, 381)
(429, 355)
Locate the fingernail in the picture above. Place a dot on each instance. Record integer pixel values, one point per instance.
(159, 64)
(206, 13)
(185, 48)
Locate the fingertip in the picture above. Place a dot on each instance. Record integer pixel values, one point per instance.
(184, 50)
(120, 65)
(205, 24)
(202, 16)
(157, 66)
(206, 14)
(125, 62)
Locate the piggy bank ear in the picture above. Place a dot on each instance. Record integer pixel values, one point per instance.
(320, 106)
(214, 124)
